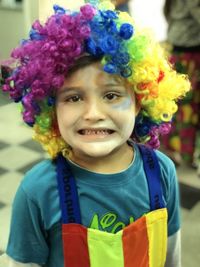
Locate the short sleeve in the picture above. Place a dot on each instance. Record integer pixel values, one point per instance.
(27, 239)
(173, 205)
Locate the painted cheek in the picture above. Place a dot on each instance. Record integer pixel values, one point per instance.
(126, 104)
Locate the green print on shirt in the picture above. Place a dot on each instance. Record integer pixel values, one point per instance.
(109, 220)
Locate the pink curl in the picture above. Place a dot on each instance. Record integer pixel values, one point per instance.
(165, 128)
(27, 101)
(58, 81)
(6, 88)
(38, 93)
(154, 141)
(67, 44)
(37, 26)
(28, 116)
(84, 31)
(88, 12)
(15, 95)
(155, 132)
(13, 91)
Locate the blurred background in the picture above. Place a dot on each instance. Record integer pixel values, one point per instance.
(17, 150)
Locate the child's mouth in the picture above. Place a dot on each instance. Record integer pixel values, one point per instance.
(95, 132)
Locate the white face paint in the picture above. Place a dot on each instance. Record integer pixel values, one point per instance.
(96, 112)
(124, 105)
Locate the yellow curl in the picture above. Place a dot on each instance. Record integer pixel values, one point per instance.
(51, 143)
(106, 5)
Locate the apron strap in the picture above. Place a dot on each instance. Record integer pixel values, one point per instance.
(69, 201)
(153, 175)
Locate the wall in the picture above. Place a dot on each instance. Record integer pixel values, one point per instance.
(11, 30)
(45, 6)
(31, 12)
(15, 23)
(149, 13)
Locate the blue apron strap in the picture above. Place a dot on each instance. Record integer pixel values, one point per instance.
(69, 200)
(152, 171)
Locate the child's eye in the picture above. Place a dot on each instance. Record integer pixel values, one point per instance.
(111, 96)
(74, 98)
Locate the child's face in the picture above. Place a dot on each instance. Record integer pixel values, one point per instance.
(95, 112)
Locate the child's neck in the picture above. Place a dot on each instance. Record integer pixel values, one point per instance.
(113, 163)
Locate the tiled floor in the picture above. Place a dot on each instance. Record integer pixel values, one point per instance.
(18, 152)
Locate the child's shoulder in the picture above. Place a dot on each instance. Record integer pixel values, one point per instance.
(40, 178)
(165, 161)
(41, 168)
(166, 164)
(167, 168)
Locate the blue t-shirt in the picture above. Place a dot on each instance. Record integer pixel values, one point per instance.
(108, 202)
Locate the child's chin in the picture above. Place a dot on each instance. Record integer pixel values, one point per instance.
(98, 151)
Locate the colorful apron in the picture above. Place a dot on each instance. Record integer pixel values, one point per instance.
(143, 243)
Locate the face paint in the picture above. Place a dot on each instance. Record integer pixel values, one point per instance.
(124, 105)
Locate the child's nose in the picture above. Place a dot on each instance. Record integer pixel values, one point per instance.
(94, 111)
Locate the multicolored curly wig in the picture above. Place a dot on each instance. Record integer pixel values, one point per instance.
(98, 30)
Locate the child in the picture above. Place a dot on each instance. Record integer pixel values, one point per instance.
(93, 86)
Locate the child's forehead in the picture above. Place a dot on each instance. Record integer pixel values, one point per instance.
(94, 72)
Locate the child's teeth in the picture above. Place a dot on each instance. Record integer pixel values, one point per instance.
(92, 132)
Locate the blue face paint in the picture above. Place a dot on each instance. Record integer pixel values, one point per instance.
(124, 105)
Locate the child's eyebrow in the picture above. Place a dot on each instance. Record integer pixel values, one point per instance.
(113, 84)
(115, 81)
(69, 89)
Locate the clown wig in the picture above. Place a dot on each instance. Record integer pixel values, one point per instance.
(44, 60)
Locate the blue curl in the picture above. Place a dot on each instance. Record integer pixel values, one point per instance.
(112, 27)
(31, 124)
(126, 72)
(58, 9)
(143, 125)
(36, 107)
(109, 45)
(126, 31)
(122, 58)
(92, 48)
(51, 101)
(34, 35)
(110, 68)
(108, 14)
(18, 99)
(23, 41)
